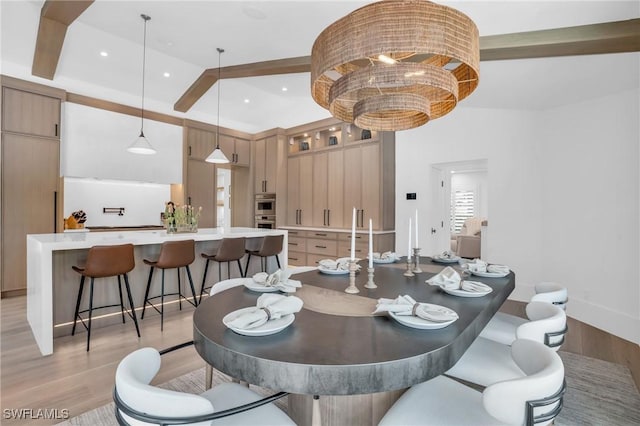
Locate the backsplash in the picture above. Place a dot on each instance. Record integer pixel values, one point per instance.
(103, 200)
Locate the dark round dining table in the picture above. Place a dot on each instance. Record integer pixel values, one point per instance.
(335, 346)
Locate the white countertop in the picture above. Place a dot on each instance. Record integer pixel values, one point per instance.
(82, 240)
(342, 230)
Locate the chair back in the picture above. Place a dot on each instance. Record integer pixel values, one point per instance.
(271, 245)
(226, 285)
(551, 293)
(109, 261)
(133, 376)
(175, 254)
(231, 249)
(536, 398)
(547, 325)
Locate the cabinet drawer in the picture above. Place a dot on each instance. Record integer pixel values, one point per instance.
(324, 247)
(344, 249)
(360, 238)
(323, 235)
(297, 244)
(295, 258)
(296, 233)
(314, 259)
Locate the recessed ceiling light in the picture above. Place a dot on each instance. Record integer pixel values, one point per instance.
(169, 43)
(284, 89)
(166, 74)
(103, 53)
(246, 101)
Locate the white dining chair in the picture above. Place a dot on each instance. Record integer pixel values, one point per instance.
(502, 326)
(534, 398)
(139, 403)
(487, 361)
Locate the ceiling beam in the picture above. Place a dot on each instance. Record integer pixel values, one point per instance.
(594, 39)
(55, 18)
(257, 69)
(608, 37)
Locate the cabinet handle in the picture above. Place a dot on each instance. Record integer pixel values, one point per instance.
(361, 218)
(328, 217)
(56, 129)
(189, 150)
(293, 244)
(293, 258)
(321, 247)
(320, 235)
(55, 211)
(300, 216)
(189, 200)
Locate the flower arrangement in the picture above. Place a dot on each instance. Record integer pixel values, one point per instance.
(179, 218)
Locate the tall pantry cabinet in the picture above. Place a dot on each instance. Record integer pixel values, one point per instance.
(30, 170)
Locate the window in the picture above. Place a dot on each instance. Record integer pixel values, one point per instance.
(462, 208)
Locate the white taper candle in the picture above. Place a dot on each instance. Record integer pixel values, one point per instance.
(409, 242)
(417, 245)
(353, 235)
(370, 243)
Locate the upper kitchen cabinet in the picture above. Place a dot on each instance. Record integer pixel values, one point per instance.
(237, 150)
(95, 142)
(21, 109)
(328, 184)
(299, 190)
(200, 143)
(266, 165)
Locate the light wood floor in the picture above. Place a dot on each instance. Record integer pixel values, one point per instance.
(72, 378)
(79, 381)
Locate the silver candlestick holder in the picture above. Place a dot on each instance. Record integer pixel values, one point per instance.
(416, 257)
(370, 283)
(353, 267)
(409, 271)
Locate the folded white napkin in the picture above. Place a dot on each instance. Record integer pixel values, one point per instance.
(447, 278)
(445, 255)
(405, 305)
(477, 265)
(268, 307)
(336, 265)
(498, 269)
(279, 279)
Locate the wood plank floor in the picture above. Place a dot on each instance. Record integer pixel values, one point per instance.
(73, 379)
(78, 381)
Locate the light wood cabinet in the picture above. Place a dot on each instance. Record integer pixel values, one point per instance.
(299, 190)
(266, 165)
(200, 143)
(328, 182)
(201, 178)
(30, 174)
(237, 150)
(30, 113)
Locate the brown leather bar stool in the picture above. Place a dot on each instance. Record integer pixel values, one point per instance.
(102, 262)
(173, 254)
(271, 246)
(230, 249)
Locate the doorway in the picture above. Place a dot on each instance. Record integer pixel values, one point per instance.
(460, 191)
(223, 193)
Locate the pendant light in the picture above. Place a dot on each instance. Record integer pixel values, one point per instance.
(217, 156)
(141, 145)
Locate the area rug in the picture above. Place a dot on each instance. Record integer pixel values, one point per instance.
(598, 393)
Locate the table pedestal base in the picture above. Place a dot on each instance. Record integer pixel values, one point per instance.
(340, 410)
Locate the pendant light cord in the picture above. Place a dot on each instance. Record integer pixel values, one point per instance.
(144, 57)
(220, 51)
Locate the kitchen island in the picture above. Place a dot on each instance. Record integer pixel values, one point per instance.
(52, 285)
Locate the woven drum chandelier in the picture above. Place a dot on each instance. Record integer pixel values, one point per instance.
(395, 64)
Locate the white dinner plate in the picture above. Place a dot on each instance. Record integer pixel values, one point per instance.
(332, 271)
(490, 274)
(439, 259)
(464, 293)
(254, 286)
(270, 327)
(417, 322)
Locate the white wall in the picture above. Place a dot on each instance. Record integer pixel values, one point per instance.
(591, 216)
(143, 202)
(503, 137)
(564, 197)
(94, 144)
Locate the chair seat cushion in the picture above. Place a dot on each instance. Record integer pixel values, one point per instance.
(486, 362)
(229, 395)
(440, 401)
(502, 328)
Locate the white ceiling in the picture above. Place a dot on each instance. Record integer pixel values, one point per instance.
(182, 37)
